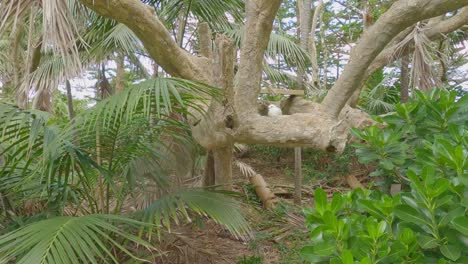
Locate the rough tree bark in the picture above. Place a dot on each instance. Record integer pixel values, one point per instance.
(324, 126)
(120, 73)
(304, 14)
(404, 78)
(313, 46)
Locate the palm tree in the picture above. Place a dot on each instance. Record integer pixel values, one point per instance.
(49, 179)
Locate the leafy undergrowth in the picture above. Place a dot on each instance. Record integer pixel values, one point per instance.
(424, 147)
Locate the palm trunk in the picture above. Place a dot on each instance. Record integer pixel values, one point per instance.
(223, 166)
(209, 174)
(71, 110)
(103, 91)
(120, 75)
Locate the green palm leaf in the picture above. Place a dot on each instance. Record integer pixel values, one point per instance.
(87, 239)
(279, 44)
(213, 11)
(217, 206)
(159, 96)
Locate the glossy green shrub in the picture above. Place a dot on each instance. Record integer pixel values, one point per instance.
(428, 224)
(430, 130)
(424, 146)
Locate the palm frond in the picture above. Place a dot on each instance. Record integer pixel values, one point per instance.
(379, 97)
(423, 72)
(106, 36)
(158, 96)
(12, 11)
(86, 239)
(279, 44)
(282, 78)
(60, 30)
(216, 12)
(245, 169)
(217, 206)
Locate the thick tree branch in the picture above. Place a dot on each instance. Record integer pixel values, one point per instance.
(152, 33)
(401, 15)
(204, 37)
(260, 15)
(315, 129)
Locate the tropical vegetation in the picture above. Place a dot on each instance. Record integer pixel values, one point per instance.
(136, 131)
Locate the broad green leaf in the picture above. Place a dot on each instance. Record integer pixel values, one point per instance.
(324, 248)
(409, 214)
(416, 182)
(407, 236)
(320, 200)
(459, 211)
(427, 242)
(366, 260)
(428, 174)
(330, 220)
(309, 254)
(337, 202)
(371, 208)
(347, 257)
(451, 252)
(461, 224)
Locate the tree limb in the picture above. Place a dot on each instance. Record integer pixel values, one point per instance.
(153, 34)
(401, 15)
(313, 46)
(260, 15)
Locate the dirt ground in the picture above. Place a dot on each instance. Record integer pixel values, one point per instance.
(277, 234)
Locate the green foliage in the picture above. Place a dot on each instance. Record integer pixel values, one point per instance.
(430, 130)
(318, 164)
(86, 239)
(378, 97)
(128, 142)
(426, 225)
(269, 152)
(251, 196)
(425, 146)
(216, 12)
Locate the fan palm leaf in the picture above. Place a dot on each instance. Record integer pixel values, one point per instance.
(213, 11)
(279, 44)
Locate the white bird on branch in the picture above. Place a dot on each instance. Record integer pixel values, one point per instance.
(274, 110)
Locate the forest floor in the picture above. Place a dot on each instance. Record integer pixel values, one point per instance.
(278, 234)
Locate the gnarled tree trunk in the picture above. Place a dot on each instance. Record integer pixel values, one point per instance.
(235, 118)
